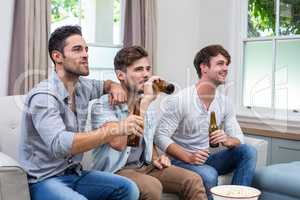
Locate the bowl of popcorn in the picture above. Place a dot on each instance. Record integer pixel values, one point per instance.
(234, 192)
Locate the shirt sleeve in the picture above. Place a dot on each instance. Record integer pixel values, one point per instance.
(168, 122)
(46, 119)
(97, 88)
(231, 125)
(102, 112)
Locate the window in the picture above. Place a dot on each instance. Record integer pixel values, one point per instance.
(271, 60)
(101, 27)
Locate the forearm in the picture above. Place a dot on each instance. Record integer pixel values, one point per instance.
(145, 102)
(83, 142)
(178, 152)
(107, 86)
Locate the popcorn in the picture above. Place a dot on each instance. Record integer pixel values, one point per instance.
(236, 192)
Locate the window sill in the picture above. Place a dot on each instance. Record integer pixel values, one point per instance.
(270, 128)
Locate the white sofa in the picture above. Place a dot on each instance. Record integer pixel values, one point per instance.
(13, 180)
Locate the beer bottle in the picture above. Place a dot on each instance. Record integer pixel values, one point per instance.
(163, 86)
(212, 127)
(134, 140)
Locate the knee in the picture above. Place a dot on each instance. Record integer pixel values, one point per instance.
(193, 180)
(131, 189)
(248, 151)
(209, 177)
(153, 190)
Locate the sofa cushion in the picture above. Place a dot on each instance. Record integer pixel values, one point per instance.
(280, 178)
(11, 108)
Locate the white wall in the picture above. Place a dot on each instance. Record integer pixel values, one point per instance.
(6, 20)
(178, 40)
(184, 27)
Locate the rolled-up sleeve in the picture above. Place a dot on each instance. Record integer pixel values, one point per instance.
(102, 112)
(46, 119)
(231, 125)
(168, 122)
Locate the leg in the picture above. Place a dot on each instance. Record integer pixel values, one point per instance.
(103, 185)
(149, 186)
(187, 184)
(58, 188)
(208, 174)
(240, 160)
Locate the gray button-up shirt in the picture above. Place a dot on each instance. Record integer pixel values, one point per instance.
(48, 126)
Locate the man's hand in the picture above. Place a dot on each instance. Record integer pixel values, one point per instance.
(199, 157)
(162, 162)
(132, 125)
(218, 137)
(149, 93)
(117, 94)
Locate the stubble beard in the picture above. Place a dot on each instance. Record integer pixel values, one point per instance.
(76, 72)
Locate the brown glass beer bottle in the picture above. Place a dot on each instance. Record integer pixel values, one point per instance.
(134, 140)
(212, 127)
(163, 86)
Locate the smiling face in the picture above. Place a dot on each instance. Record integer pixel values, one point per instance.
(74, 59)
(216, 71)
(136, 75)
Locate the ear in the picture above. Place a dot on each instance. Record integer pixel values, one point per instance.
(121, 75)
(57, 56)
(203, 68)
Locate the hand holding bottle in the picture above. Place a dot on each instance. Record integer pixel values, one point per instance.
(218, 137)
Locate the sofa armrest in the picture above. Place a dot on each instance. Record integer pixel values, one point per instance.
(13, 180)
(261, 147)
(262, 150)
(7, 161)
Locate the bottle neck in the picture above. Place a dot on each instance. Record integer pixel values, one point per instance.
(213, 120)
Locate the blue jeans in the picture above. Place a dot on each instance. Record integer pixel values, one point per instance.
(91, 185)
(240, 160)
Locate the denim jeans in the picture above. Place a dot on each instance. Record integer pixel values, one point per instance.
(91, 185)
(240, 160)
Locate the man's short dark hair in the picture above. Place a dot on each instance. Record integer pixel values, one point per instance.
(205, 54)
(58, 38)
(127, 56)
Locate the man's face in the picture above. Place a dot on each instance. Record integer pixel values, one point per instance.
(217, 71)
(75, 58)
(137, 74)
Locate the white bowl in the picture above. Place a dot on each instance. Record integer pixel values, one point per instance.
(234, 192)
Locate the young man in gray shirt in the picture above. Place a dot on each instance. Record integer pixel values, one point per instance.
(52, 128)
(182, 131)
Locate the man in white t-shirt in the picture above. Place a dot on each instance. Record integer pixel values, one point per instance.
(182, 131)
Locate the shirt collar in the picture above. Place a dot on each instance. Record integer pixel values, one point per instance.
(58, 86)
(124, 107)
